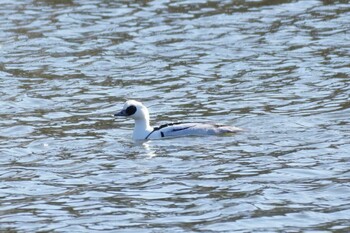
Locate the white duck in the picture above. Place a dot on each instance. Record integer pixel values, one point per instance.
(144, 131)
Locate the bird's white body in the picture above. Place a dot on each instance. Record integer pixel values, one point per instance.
(143, 130)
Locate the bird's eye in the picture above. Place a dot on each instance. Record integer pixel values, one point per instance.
(130, 110)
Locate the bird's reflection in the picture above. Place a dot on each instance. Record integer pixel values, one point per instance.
(149, 149)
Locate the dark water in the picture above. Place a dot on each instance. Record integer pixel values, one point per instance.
(278, 68)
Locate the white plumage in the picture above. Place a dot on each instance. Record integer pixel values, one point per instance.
(144, 131)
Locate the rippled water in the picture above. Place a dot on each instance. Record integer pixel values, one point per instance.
(278, 68)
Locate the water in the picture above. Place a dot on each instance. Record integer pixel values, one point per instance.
(280, 69)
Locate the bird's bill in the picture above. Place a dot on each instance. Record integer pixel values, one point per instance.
(121, 113)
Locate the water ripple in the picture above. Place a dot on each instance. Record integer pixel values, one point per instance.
(279, 69)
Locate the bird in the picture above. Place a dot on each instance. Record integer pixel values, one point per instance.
(144, 131)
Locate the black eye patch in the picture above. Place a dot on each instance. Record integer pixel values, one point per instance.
(130, 110)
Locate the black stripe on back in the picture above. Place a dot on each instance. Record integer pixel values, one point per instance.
(175, 130)
(166, 125)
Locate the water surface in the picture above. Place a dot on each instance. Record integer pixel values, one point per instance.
(280, 69)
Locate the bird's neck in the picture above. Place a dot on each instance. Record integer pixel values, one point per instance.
(142, 128)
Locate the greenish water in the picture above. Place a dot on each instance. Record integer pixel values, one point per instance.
(280, 69)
